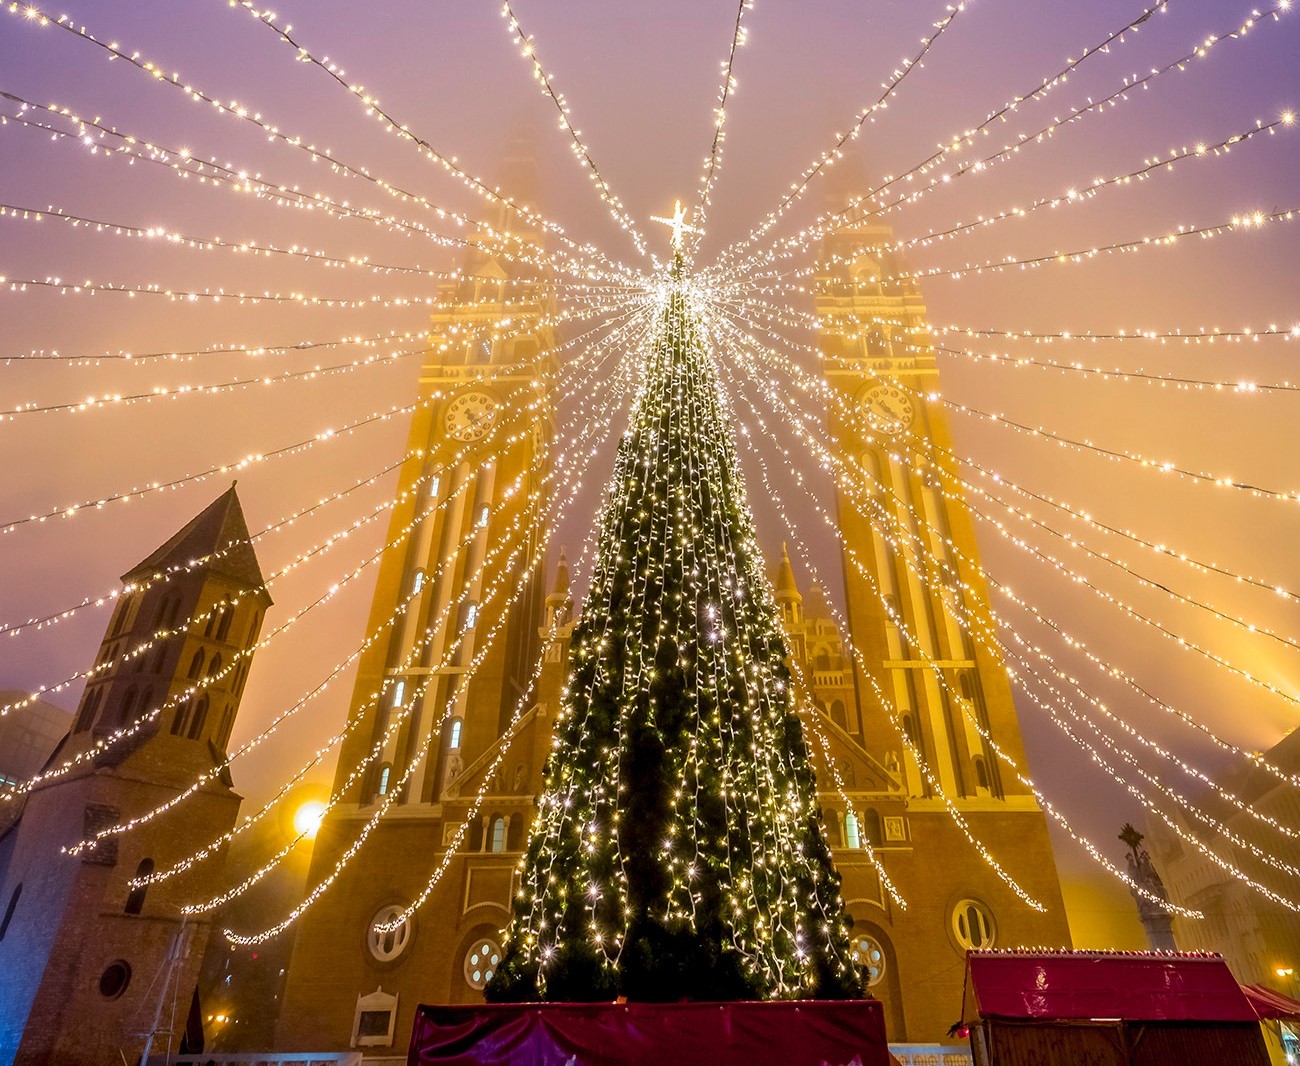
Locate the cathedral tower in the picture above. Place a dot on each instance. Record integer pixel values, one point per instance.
(86, 959)
(913, 599)
(437, 691)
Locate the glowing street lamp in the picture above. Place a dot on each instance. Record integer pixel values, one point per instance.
(307, 818)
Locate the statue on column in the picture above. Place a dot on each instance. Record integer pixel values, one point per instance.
(1156, 920)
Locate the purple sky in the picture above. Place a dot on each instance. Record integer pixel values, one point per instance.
(641, 86)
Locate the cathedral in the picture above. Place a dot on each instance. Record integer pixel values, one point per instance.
(455, 701)
(438, 742)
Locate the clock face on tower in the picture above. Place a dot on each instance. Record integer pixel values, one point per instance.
(470, 416)
(887, 409)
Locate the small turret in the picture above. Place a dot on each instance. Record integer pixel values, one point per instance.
(788, 598)
(559, 602)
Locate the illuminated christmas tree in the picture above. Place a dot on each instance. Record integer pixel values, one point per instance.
(677, 850)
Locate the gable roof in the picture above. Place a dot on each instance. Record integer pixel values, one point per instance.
(219, 532)
(1078, 985)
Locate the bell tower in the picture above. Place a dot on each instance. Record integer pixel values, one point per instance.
(918, 625)
(88, 955)
(460, 607)
(909, 529)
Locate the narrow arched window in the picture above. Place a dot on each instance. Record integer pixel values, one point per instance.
(119, 623)
(384, 773)
(227, 615)
(497, 841)
(214, 667)
(200, 716)
(89, 705)
(851, 838)
(128, 704)
(196, 665)
(181, 719)
(135, 899)
(173, 609)
(871, 826)
(252, 629)
(453, 738)
(9, 910)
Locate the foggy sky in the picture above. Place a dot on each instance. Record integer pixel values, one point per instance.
(641, 81)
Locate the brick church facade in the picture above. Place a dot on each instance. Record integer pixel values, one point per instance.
(90, 964)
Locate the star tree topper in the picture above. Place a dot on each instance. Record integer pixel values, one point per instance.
(678, 224)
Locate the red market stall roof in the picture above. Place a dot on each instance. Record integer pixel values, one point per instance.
(1272, 1006)
(651, 1034)
(1083, 985)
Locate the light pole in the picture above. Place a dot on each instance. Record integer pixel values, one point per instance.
(1287, 973)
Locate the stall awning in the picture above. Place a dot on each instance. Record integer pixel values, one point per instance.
(809, 1033)
(1082, 985)
(1270, 1005)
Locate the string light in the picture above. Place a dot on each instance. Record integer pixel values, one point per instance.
(161, 233)
(403, 132)
(1182, 384)
(72, 510)
(1181, 800)
(836, 152)
(845, 217)
(186, 163)
(173, 569)
(439, 621)
(111, 595)
(528, 49)
(1106, 668)
(176, 392)
(101, 743)
(507, 569)
(751, 285)
(888, 704)
(256, 351)
(1118, 455)
(321, 887)
(1150, 166)
(713, 161)
(1248, 221)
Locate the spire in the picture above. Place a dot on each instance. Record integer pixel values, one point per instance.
(217, 534)
(816, 605)
(560, 590)
(520, 177)
(785, 585)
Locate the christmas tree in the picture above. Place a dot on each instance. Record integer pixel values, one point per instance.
(677, 850)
